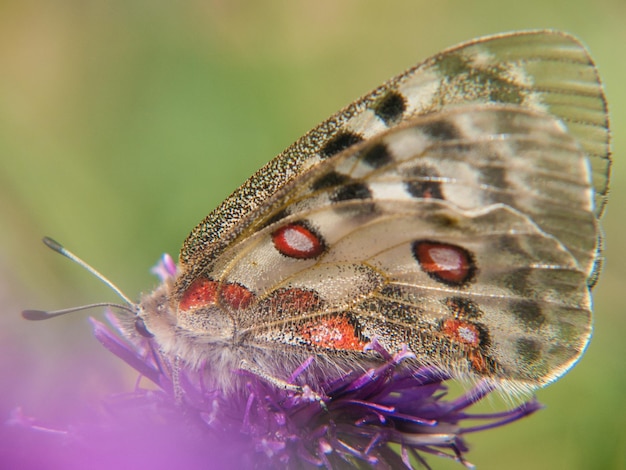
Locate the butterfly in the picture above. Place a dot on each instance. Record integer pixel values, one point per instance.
(454, 209)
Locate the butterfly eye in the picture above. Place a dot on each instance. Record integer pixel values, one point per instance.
(140, 326)
(298, 241)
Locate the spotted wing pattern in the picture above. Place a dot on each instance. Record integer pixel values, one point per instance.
(547, 71)
(453, 209)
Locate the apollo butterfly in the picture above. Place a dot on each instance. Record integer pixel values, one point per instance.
(454, 209)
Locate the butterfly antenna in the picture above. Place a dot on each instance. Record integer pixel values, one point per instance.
(36, 315)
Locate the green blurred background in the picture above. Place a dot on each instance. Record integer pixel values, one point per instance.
(123, 123)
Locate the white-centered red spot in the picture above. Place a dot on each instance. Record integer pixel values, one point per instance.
(469, 335)
(298, 241)
(204, 292)
(444, 262)
(462, 332)
(332, 333)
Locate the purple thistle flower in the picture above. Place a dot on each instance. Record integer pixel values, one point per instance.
(178, 421)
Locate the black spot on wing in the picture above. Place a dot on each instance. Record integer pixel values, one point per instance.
(339, 142)
(351, 191)
(511, 244)
(441, 130)
(377, 156)
(496, 177)
(330, 180)
(485, 339)
(424, 189)
(342, 187)
(390, 108)
(423, 183)
(520, 281)
(463, 308)
(528, 313)
(528, 350)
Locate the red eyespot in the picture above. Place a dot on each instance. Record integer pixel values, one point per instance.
(446, 263)
(236, 296)
(333, 333)
(203, 292)
(298, 241)
(462, 331)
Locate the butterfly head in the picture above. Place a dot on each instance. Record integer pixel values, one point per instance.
(188, 323)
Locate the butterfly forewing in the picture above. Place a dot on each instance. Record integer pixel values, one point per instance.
(470, 157)
(544, 70)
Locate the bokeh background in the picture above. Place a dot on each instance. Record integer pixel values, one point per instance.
(123, 123)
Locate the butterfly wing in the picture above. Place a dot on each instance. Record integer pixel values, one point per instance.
(453, 209)
(450, 242)
(542, 70)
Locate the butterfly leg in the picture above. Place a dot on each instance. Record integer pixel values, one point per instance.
(178, 390)
(303, 391)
